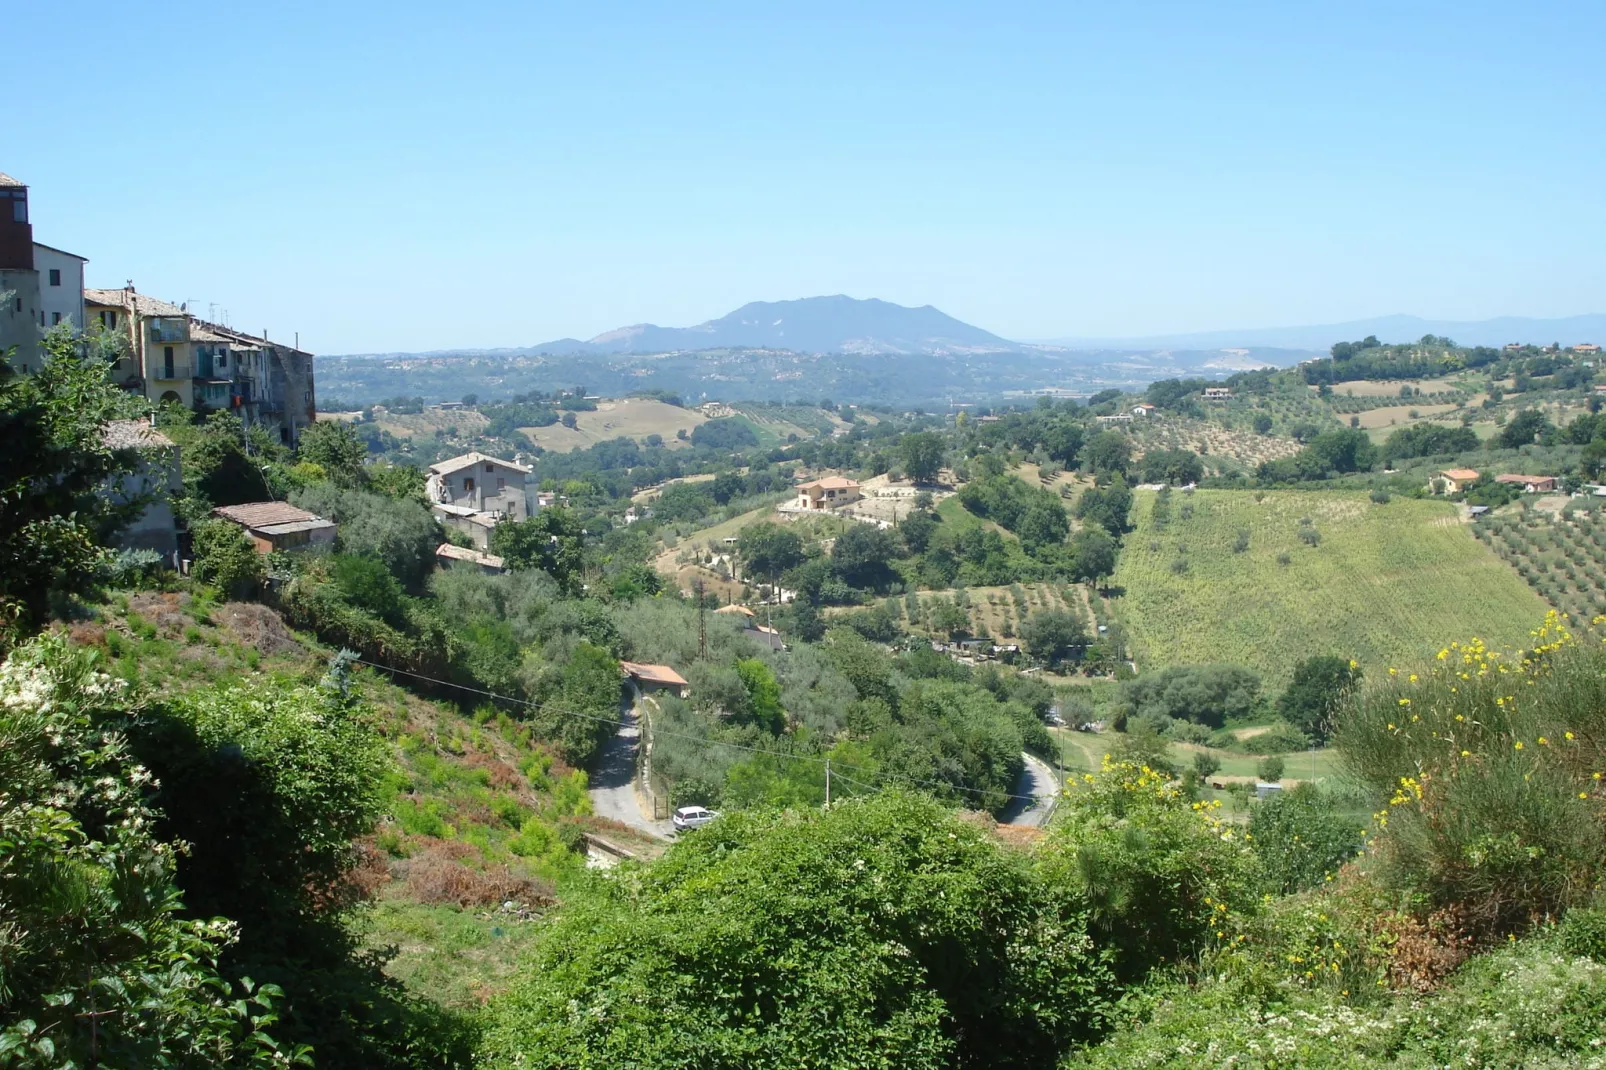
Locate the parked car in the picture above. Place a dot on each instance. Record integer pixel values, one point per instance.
(692, 817)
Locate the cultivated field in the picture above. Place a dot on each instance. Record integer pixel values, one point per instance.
(993, 611)
(1395, 416)
(1384, 388)
(1385, 584)
(1562, 557)
(1223, 449)
(627, 417)
(450, 422)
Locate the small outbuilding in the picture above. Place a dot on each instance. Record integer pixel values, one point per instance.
(448, 554)
(279, 525)
(651, 678)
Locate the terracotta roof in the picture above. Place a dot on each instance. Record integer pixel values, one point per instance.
(653, 674)
(7, 180)
(1512, 477)
(447, 467)
(1459, 474)
(129, 299)
(133, 434)
(462, 553)
(263, 514)
(199, 333)
(831, 483)
(743, 610)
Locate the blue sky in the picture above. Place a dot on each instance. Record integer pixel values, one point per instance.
(414, 176)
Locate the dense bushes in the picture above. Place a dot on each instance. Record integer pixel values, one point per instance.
(89, 915)
(1300, 839)
(884, 932)
(400, 533)
(1205, 694)
(1491, 770)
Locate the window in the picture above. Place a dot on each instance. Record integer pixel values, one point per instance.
(487, 469)
(55, 276)
(501, 484)
(222, 360)
(468, 484)
(55, 318)
(167, 354)
(19, 210)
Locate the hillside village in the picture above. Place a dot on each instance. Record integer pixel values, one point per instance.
(460, 703)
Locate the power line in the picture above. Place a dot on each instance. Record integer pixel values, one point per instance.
(836, 765)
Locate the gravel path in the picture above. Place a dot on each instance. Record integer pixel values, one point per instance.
(613, 780)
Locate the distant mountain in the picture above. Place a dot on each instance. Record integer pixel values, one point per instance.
(1492, 332)
(811, 325)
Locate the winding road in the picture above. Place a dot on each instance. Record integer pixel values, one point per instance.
(613, 778)
(1038, 781)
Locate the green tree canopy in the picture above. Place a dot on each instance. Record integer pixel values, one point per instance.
(1319, 688)
(551, 540)
(922, 455)
(333, 445)
(55, 513)
(883, 932)
(769, 549)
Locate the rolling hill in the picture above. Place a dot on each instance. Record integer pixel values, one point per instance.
(836, 324)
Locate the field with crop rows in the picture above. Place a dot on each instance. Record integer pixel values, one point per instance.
(993, 611)
(1224, 449)
(1563, 558)
(1264, 583)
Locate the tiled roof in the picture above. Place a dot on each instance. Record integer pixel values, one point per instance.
(1513, 477)
(199, 333)
(129, 299)
(743, 610)
(653, 674)
(831, 483)
(447, 467)
(62, 252)
(133, 434)
(262, 514)
(7, 180)
(462, 553)
(1459, 474)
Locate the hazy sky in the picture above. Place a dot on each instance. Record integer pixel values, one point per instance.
(398, 175)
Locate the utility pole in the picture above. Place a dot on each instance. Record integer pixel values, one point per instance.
(702, 624)
(828, 783)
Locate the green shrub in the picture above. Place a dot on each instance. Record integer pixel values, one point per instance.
(1583, 932)
(1487, 769)
(1160, 875)
(226, 559)
(1300, 840)
(1270, 768)
(884, 932)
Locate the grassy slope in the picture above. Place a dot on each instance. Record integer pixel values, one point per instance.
(1387, 584)
(474, 801)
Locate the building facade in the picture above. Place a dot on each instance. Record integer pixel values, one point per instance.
(156, 480)
(170, 356)
(61, 287)
(19, 281)
(153, 342)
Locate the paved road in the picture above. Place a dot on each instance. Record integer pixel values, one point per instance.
(1038, 781)
(613, 780)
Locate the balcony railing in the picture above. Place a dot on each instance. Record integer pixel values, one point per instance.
(171, 371)
(168, 330)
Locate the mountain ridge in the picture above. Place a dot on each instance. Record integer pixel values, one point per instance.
(826, 324)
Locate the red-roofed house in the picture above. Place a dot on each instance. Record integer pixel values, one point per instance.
(1530, 484)
(650, 678)
(827, 493)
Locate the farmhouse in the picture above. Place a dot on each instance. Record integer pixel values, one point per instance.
(1115, 418)
(1453, 480)
(827, 493)
(487, 484)
(1143, 408)
(447, 554)
(473, 493)
(1218, 393)
(1586, 347)
(735, 611)
(650, 678)
(1530, 484)
(1516, 345)
(156, 478)
(278, 525)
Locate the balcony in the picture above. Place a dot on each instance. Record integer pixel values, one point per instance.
(163, 372)
(168, 329)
